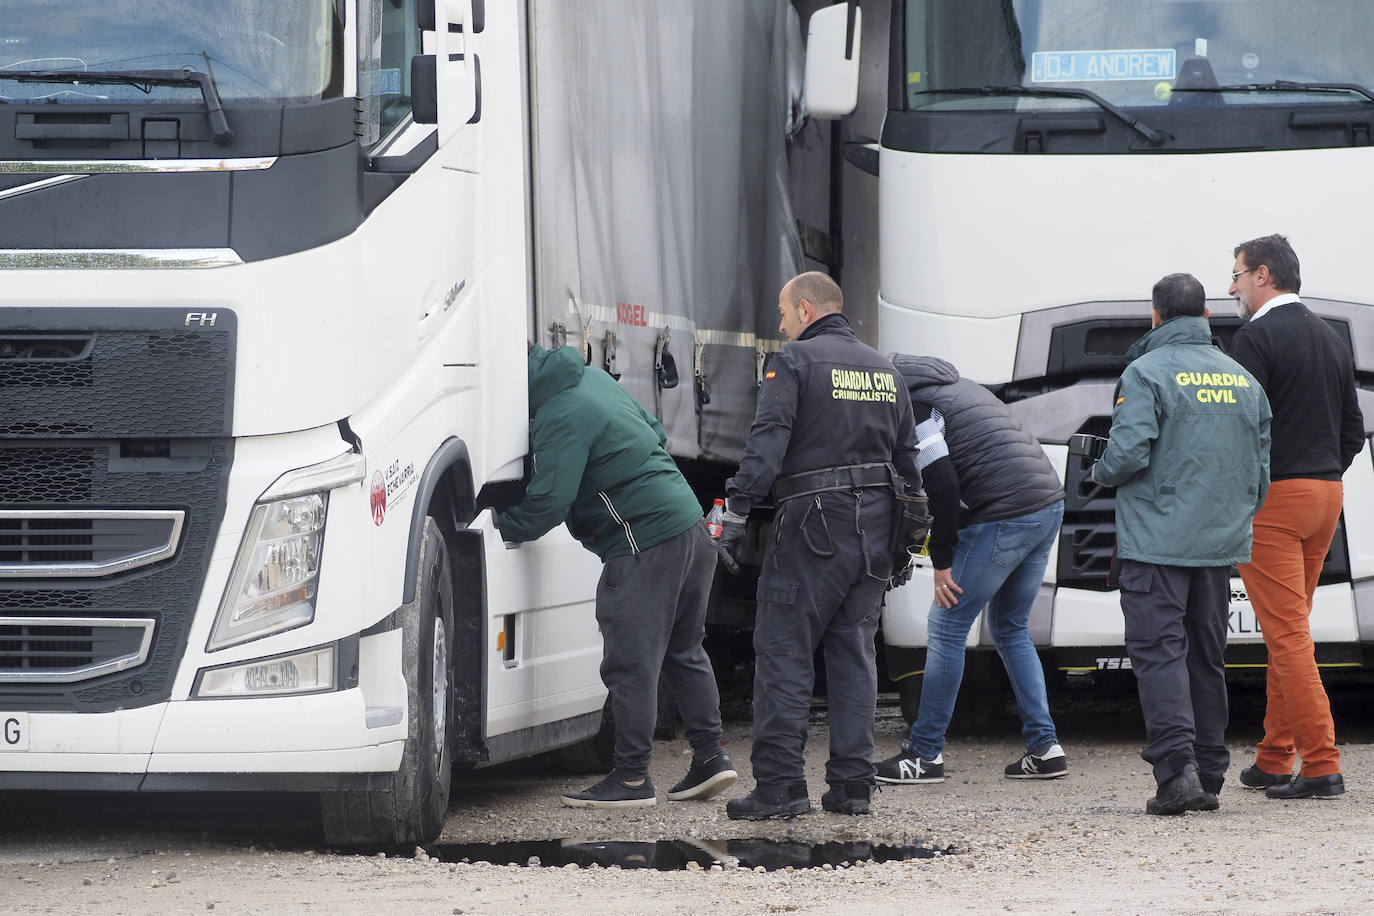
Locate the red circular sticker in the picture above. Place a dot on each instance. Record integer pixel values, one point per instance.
(378, 497)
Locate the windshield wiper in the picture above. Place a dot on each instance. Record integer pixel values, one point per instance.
(1154, 137)
(1283, 86)
(143, 80)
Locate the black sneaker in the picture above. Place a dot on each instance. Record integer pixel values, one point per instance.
(847, 798)
(907, 769)
(1181, 793)
(611, 792)
(704, 780)
(1252, 777)
(1050, 764)
(768, 802)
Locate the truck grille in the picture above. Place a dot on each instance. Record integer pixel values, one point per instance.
(115, 451)
(64, 650)
(83, 544)
(1087, 539)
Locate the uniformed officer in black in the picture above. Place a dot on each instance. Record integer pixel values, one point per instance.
(833, 421)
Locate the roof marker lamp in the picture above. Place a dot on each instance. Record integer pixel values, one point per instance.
(273, 584)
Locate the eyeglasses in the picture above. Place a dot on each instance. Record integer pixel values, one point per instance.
(1236, 274)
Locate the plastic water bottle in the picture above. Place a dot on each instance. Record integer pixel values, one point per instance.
(715, 521)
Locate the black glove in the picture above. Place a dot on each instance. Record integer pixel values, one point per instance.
(902, 576)
(731, 540)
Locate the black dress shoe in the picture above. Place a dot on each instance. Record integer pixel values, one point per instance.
(1308, 787)
(1252, 777)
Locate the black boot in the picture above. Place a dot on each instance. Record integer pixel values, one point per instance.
(1181, 793)
(1211, 787)
(847, 798)
(778, 800)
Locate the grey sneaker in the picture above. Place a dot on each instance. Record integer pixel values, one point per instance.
(704, 780)
(1049, 764)
(906, 769)
(611, 792)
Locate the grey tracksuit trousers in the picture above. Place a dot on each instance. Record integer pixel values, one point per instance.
(651, 607)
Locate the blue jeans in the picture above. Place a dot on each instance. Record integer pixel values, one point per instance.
(1000, 565)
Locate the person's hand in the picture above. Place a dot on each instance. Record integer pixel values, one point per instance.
(946, 589)
(731, 540)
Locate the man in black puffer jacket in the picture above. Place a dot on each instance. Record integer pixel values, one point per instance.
(990, 551)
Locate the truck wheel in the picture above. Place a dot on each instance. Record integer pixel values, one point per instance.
(982, 695)
(590, 755)
(665, 728)
(597, 753)
(909, 695)
(409, 805)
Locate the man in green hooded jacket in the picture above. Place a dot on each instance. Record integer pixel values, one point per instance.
(1189, 455)
(600, 466)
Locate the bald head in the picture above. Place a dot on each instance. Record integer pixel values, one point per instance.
(805, 298)
(817, 288)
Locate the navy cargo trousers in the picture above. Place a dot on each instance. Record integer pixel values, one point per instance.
(825, 569)
(1175, 636)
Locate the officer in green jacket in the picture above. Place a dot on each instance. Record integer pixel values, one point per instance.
(600, 466)
(1189, 455)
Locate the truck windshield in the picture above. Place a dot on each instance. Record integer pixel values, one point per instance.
(1134, 53)
(256, 50)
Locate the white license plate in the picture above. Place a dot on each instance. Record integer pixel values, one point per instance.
(1241, 623)
(14, 731)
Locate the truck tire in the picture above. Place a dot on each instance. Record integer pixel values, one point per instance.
(982, 695)
(665, 727)
(597, 753)
(409, 806)
(590, 755)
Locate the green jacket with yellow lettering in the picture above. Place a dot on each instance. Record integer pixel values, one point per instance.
(1189, 450)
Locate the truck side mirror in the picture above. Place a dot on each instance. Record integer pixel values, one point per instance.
(832, 60)
(453, 70)
(424, 89)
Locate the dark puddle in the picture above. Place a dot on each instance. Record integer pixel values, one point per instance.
(676, 855)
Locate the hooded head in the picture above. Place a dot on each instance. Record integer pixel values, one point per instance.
(924, 370)
(552, 371)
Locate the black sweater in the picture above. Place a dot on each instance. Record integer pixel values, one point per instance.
(1309, 375)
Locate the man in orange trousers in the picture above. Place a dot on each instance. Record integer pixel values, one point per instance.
(1308, 374)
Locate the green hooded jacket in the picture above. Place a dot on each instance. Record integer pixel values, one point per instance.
(1189, 450)
(599, 464)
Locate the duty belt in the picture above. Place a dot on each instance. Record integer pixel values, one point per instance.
(849, 477)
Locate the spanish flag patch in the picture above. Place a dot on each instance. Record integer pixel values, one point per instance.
(769, 374)
(1121, 400)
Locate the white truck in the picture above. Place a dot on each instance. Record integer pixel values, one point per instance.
(1042, 163)
(269, 271)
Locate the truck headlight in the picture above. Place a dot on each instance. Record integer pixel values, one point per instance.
(272, 587)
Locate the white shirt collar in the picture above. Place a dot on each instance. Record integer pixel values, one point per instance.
(1280, 299)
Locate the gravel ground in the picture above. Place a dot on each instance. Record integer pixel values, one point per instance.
(1077, 844)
